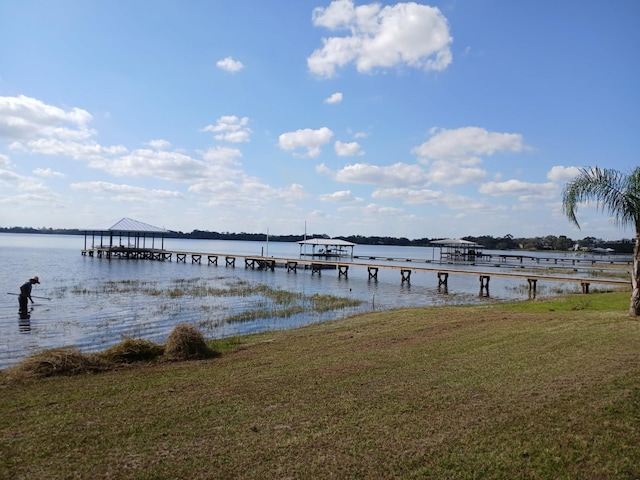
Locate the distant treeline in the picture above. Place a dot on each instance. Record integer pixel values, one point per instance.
(508, 242)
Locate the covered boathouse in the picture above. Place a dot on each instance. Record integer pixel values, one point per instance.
(327, 247)
(455, 250)
(124, 238)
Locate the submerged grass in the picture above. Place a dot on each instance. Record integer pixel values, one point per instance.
(272, 302)
(535, 389)
(282, 304)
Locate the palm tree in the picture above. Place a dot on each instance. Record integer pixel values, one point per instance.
(617, 193)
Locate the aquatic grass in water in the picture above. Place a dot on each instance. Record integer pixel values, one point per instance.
(324, 303)
(256, 314)
(276, 303)
(269, 302)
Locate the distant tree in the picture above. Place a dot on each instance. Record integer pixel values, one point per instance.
(564, 243)
(618, 194)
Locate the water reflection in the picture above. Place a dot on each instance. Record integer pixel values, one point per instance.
(484, 286)
(24, 324)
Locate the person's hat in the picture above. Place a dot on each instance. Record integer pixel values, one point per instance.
(36, 279)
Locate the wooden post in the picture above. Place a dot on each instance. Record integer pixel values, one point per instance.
(373, 273)
(484, 284)
(443, 278)
(343, 270)
(406, 275)
(532, 284)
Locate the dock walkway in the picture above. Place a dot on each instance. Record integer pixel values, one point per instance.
(342, 266)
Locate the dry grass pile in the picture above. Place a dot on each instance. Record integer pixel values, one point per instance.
(185, 342)
(133, 350)
(58, 361)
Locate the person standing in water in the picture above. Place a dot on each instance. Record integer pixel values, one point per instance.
(25, 294)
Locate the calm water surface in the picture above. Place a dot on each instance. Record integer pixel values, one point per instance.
(95, 303)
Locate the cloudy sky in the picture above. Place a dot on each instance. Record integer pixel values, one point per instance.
(439, 119)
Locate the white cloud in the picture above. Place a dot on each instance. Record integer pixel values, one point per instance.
(453, 156)
(397, 175)
(381, 37)
(7, 178)
(334, 98)
(560, 174)
(45, 198)
(524, 191)
(306, 139)
(450, 173)
(374, 209)
(465, 145)
(230, 128)
(159, 144)
(410, 196)
(347, 149)
(126, 193)
(246, 192)
(222, 156)
(75, 150)
(230, 65)
(23, 118)
(154, 162)
(343, 196)
(47, 172)
(21, 192)
(172, 166)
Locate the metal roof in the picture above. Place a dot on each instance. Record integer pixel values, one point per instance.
(327, 242)
(125, 225)
(455, 242)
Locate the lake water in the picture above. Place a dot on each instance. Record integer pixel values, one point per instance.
(96, 302)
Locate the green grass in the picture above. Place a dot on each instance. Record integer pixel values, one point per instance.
(531, 390)
(598, 301)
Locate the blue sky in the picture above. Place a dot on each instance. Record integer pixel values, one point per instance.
(439, 119)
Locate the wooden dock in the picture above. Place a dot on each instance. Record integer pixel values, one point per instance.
(316, 266)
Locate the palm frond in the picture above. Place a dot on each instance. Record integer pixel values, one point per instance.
(613, 191)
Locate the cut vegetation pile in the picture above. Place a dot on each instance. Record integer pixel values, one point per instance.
(133, 350)
(535, 390)
(185, 342)
(59, 361)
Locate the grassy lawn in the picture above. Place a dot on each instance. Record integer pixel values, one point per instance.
(531, 390)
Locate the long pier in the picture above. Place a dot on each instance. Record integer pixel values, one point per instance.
(317, 266)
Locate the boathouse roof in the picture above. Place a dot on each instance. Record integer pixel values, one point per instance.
(332, 242)
(125, 225)
(455, 242)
